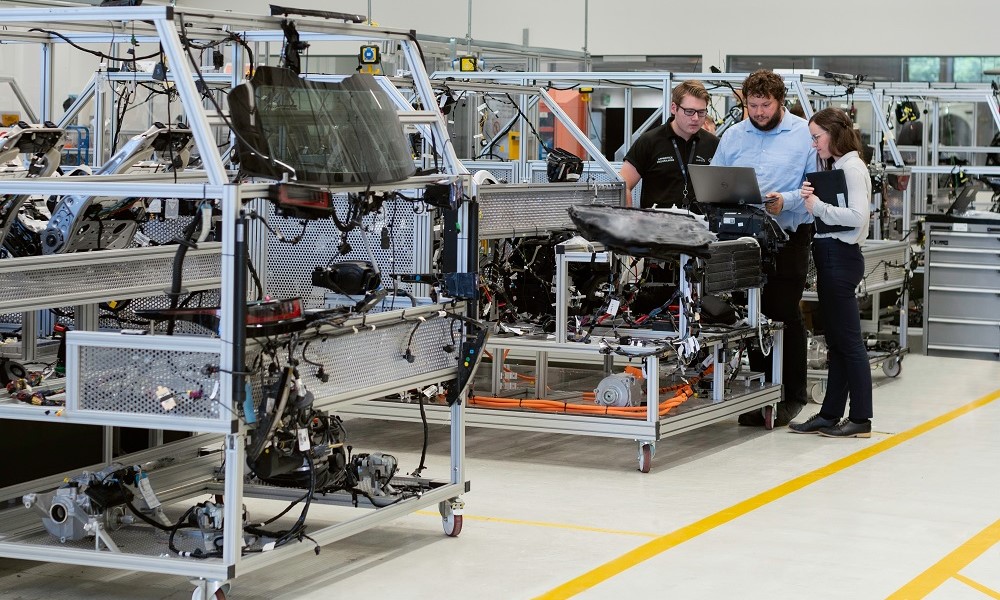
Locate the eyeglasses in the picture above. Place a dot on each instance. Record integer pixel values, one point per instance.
(816, 137)
(694, 111)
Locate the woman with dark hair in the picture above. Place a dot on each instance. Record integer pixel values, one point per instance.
(839, 268)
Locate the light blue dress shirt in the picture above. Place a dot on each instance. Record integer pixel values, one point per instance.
(781, 157)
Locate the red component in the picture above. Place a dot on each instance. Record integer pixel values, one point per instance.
(302, 200)
(274, 311)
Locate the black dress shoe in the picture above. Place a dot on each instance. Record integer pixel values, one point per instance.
(812, 425)
(848, 428)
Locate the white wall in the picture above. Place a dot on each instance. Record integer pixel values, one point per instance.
(712, 30)
(628, 27)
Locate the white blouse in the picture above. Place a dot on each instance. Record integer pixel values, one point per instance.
(859, 197)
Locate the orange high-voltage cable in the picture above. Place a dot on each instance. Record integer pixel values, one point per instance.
(682, 391)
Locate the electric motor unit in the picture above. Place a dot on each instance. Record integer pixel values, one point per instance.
(620, 389)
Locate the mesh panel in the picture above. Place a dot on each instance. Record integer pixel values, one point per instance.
(506, 211)
(879, 258)
(885, 263)
(115, 279)
(592, 172)
(289, 267)
(503, 172)
(374, 360)
(165, 231)
(135, 380)
(125, 318)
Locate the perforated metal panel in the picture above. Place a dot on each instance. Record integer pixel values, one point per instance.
(513, 210)
(288, 268)
(503, 172)
(37, 282)
(885, 267)
(159, 380)
(880, 256)
(165, 231)
(370, 363)
(592, 172)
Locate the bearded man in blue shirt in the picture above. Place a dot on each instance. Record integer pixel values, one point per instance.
(777, 145)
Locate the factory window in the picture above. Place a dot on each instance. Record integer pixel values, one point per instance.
(959, 69)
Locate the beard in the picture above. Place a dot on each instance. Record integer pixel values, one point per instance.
(771, 124)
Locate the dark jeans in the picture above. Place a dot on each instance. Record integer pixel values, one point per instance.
(780, 297)
(839, 269)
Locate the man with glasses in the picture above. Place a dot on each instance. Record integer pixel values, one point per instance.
(777, 145)
(660, 157)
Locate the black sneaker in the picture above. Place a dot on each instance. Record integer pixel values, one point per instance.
(813, 424)
(848, 428)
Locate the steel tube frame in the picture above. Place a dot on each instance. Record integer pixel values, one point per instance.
(231, 197)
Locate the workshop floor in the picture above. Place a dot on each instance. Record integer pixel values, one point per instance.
(726, 512)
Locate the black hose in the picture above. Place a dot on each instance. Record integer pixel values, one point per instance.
(178, 274)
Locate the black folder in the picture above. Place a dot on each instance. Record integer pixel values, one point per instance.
(830, 187)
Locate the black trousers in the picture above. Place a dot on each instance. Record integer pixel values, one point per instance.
(780, 297)
(839, 269)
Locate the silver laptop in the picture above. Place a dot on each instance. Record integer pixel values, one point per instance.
(725, 186)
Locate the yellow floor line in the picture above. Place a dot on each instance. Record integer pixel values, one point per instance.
(469, 517)
(675, 538)
(978, 586)
(950, 565)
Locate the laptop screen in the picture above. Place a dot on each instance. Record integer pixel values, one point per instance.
(962, 202)
(725, 186)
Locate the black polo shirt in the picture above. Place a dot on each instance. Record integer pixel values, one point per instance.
(655, 158)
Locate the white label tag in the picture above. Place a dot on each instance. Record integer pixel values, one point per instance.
(172, 208)
(303, 435)
(959, 226)
(267, 547)
(141, 238)
(155, 206)
(166, 397)
(613, 307)
(841, 200)
(147, 493)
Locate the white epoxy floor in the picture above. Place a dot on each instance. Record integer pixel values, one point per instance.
(546, 510)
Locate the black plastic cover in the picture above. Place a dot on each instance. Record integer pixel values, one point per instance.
(642, 232)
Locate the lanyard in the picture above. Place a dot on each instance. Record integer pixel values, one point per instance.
(683, 165)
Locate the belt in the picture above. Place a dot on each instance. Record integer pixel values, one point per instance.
(796, 230)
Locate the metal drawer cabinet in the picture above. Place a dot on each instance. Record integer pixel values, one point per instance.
(962, 289)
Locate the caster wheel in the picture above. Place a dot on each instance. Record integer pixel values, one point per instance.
(451, 516)
(645, 458)
(892, 366)
(818, 392)
(769, 417)
(452, 525)
(220, 593)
